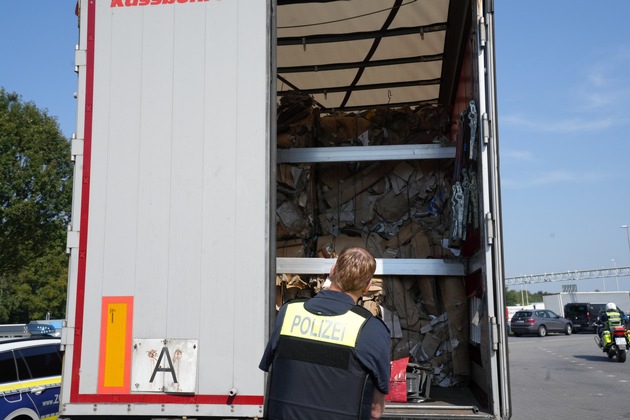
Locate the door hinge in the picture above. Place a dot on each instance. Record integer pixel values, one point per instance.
(494, 328)
(72, 239)
(76, 147)
(483, 32)
(485, 127)
(489, 228)
(80, 58)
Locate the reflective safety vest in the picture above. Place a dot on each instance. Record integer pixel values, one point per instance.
(315, 373)
(613, 320)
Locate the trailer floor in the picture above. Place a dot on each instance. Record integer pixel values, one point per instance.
(443, 403)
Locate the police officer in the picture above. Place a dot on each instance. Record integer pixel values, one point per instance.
(329, 357)
(610, 318)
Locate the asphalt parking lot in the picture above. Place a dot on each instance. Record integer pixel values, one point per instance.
(566, 377)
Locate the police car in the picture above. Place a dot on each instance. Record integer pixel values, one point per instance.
(30, 378)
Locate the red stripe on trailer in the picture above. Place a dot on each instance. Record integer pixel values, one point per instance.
(75, 396)
(85, 199)
(171, 399)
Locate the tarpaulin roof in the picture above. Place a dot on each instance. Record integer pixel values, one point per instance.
(357, 54)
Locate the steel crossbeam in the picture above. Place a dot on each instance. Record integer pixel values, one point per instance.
(568, 276)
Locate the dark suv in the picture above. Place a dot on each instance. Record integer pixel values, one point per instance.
(584, 315)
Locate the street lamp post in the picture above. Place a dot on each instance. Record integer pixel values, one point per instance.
(627, 234)
(616, 274)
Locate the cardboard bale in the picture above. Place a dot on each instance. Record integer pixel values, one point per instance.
(373, 298)
(393, 322)
(428, 294)
(391, 206)
(401, 121)
(296, 122)
(453, 294)
(336, 130)
(299, 134)
(398, 300)
(291, 176)
(332, 221)
(433, 117)
(290, 248)
(409, 230)
(359, 182)
(435, 323)
(338, 243)
(293, 220)
(427, 348)
(372, 306)
(329, 174)
(401, 347)
(364, 209)
(421, 245)
(395, 209)
(294, 287)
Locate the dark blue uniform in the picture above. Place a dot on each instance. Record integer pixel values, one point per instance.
(312, 379)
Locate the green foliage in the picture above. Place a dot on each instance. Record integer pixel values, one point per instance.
(35, 199)
(38, 289)
(518, 297)
(512, 297)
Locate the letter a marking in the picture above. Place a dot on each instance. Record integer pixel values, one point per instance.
(170, 367)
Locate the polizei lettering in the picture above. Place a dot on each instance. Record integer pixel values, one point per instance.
(318, 328)
(342, 329)
(133, 3)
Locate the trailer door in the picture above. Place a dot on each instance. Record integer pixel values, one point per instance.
(169, 240)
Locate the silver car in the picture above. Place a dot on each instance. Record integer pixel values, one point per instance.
(539, 321)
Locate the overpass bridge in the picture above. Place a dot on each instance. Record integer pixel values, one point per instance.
(568, 276)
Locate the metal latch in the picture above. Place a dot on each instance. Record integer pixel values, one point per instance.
(494, 331)
(72, 239)
(486, 128)
(483, 32)
(490, 228)
(80, 58)
(76, 147)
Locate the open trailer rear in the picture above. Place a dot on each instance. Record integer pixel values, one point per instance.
(226, 151)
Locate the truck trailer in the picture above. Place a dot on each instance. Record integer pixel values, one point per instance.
(227, 150)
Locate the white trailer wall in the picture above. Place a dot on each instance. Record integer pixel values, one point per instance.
(173, 220)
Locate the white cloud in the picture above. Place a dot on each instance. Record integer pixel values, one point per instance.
(558, 177)
(606, 82)
(593, 102)
(520, 155)
(558, 125)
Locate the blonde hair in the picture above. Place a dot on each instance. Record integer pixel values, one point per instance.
(353, 270)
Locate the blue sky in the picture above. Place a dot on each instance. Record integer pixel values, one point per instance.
(563, 86)
(563, 70)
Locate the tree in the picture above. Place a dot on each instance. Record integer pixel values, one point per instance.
(35, 200)
(522, 297)
(512, 297)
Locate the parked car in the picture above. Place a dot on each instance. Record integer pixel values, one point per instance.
(584, 315)
(539, 321)
(30, 378)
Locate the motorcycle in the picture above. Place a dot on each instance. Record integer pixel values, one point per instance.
(614, 342)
